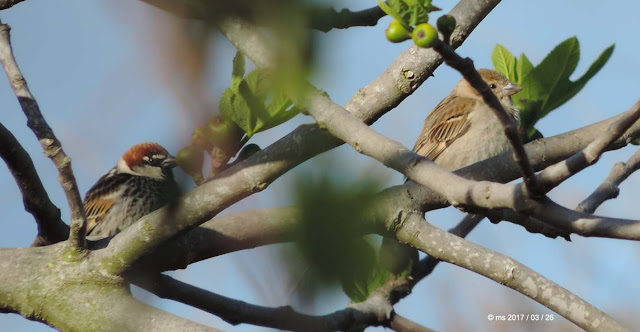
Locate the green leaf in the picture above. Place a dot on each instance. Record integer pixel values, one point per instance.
(418, 14)
(227, 108)
(582, 81)
(238, 70)
(547, 86)
(504, 62)
(280, 111)
(550, 79)
(386, 8)
(259, 83)
(408, 12)
(245, 101)
(249, 95)
(523, 68)
(233, 106)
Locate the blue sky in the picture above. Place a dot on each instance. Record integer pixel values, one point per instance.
(99, 76)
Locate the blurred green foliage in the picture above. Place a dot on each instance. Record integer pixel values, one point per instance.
(253, 102)
(546, 86)
(330, 236)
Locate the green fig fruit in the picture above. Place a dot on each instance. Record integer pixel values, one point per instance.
(396, 32)
(424, 35)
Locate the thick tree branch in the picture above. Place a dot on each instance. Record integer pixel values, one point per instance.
(222, 235)
(467, 69)
(51, 228)
(44, 133)
(428, 264)
(504, 270)
(609, 189)
(74, 296)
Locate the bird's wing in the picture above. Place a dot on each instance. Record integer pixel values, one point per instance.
(448, 121)
(102, 196)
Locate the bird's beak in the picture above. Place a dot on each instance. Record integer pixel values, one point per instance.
(512, 88)
(169, 162)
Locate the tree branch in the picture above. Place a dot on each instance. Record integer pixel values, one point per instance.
(504, 270)
(583, 224)
(320, 18)
(428, 264)
(555, 174)
(222, 235)
(609, 189)
(325, 19)
(367, 313)
(74, 296)
(50, 144)
(51, 228)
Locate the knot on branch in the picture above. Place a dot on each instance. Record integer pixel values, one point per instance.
(398, 222)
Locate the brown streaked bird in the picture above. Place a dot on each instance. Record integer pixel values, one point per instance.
(463, 129)
(460, 131)
(140, 183)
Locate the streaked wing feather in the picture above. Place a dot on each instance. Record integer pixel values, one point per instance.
(448, 121)
(95, 210)
(102, 196)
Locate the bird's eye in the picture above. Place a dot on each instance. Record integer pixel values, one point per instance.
(151, 161)
(493, 86)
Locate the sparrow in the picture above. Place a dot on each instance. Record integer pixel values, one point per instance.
(460, 131)
(140, 183)
(463, 129)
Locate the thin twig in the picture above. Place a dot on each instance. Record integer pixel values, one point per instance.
(51, 228)
(48, 141)
(321, 18)
(467, 69)
(327, 19)
(609, 189)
